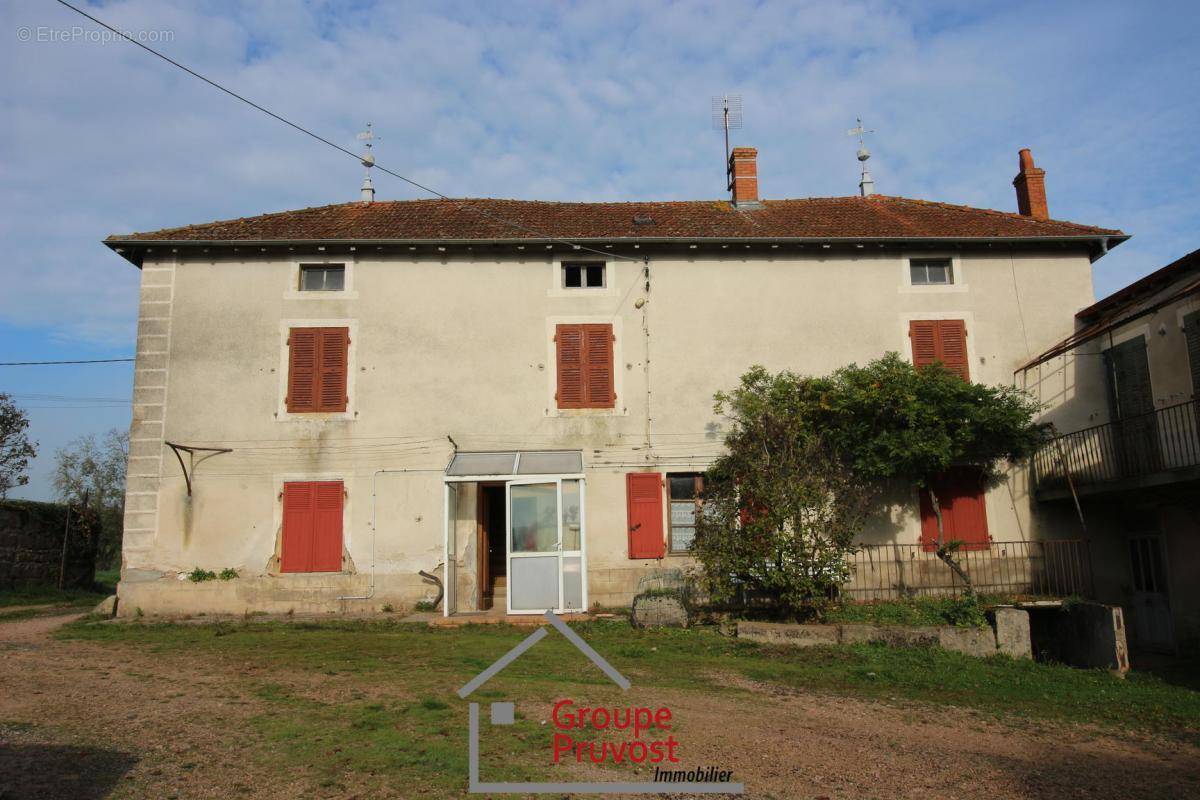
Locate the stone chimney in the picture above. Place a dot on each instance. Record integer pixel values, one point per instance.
(743, 176)
(1031, 188)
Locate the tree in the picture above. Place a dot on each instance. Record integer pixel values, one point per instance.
(15, 448)
(97, 469)
(781, 510)
(889, 421)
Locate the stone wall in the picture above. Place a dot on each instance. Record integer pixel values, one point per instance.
(1008, 635)
(31, 545)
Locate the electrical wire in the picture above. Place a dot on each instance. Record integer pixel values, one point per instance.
(45, 363)
(462, 203)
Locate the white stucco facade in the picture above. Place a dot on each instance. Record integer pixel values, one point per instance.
(460, 344)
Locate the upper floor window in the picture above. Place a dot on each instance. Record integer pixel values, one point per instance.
(931, 271)
(322, 277)
(941, 340)
(583, 276)
(317, 369)
(585, 366)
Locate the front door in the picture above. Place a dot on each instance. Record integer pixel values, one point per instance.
(1151, 609)
(546, 568)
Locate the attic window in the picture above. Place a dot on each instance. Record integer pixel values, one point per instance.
(322, 277)
(643, 219)
(931, 271)
(583, 276)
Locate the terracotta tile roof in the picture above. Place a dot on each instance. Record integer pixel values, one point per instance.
(874, 217)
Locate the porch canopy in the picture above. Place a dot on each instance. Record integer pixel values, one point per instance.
(512, 463)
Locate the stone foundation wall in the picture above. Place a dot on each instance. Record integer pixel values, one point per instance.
(1009, 635)
(173, 595)
(31, 545)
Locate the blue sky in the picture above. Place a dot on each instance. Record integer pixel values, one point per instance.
(553, 100)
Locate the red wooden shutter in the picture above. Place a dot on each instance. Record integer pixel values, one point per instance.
(327, 528)
(312, 527)
(964, 511)
(643, 491)
(299, 501)
(302, 370)
(952, 346)
(598, 357)
(333, 357)
(943, 340)
(569, 344)
(317, 362)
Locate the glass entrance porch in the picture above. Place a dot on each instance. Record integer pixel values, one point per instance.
(543, 533)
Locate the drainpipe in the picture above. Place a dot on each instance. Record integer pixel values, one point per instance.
(371, 575)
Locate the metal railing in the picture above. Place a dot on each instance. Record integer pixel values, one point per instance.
(1134, 447)
(1049, 568)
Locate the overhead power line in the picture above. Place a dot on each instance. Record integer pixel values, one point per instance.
(462, 204)
(46, 363)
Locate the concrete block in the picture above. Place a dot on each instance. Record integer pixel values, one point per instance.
(106, 607)
(659, 611)
(1012, 632)
(978, 642)
(780, 633)
(893, 635)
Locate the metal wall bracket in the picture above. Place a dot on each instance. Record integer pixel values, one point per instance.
(191, 450)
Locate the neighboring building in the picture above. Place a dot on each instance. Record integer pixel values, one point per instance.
(1123, 391)
(387, 386)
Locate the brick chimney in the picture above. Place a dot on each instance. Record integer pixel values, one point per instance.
(1031, 188)
(743, 176)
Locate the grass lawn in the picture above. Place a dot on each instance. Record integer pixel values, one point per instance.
(386, 704)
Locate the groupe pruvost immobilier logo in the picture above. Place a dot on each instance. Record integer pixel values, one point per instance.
(649, 736)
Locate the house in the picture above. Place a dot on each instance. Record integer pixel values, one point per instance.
(517, 396)
(1125, 465)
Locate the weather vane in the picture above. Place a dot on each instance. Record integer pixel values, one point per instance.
(368, 161)
(866, 186)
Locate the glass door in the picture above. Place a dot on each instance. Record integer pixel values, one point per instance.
(534, 551)
(547, 568)
(574, 574)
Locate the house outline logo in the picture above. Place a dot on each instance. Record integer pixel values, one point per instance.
(504, 714)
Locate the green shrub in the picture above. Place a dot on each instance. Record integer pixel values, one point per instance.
(228, 574)
(425, 605)
(200, 575)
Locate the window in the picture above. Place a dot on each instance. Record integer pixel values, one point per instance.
(585, 366)
(964, 513)
(322, 277)
(941, 340)
(644, 496)
(312, 527)
(685, 492)
(931, 271)
(317, 364)
(583, 276)
(1191, 332)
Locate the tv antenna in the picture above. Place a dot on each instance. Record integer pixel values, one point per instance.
(866, 185)
(727, 115)
(368, 161)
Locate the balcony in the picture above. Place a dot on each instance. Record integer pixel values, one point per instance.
(1154, 449)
